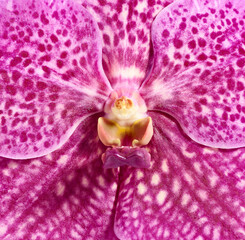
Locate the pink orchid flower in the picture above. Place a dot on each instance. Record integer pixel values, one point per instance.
(122, 120)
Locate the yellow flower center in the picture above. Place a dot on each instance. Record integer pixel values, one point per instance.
(126, 122)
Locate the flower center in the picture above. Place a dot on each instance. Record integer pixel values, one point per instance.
(125, 125)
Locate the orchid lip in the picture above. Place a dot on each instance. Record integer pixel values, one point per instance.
(125, 125)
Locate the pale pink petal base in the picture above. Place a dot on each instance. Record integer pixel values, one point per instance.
(199, 69)
(57, 197)
(191, 192)
(125, 28)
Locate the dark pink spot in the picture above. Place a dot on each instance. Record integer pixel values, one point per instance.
(3, 121)
(4, 129)
(30, 96)
(178, 43)
(39, 136)
(74, 19)
(225, 116)
(241, 51)
(32, 121)
(84, 46)
(59, 63)
(203, 101)
(200, 90)
(192, 44)
(230, 84)
(64, 33)
(46, 69)
(213, 35)
(116, 40)
(194, 30)
(35, 15)
(23, 137)
(44, 20)
(68, 43)
(50, 120)
(53, 38)
(16, 75)
(41, 85)
(201, 42)
(165, 60)
(63, 54)
(202, 57)
(64, 114)
(165, 33)
(131, 39)
(49, 47)
(40, 32)
(240, 62)
(52, 106)
(15, 122)
(193, 18)
(76, 50)
(82, 61)
(46, 144)
(240, 86)
(24, 54)
(197, 107)
(41, 47)
(106, 39)
(182, 25)
(27, 83)
(232, 117)
(15, 61)
(14, 37)
(224, 52)
(27, 62)
(10, 89)
(53, 97)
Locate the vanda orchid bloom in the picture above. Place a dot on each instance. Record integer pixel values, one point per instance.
(122, 120)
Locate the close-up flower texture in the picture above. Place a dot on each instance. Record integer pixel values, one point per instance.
(122, 120)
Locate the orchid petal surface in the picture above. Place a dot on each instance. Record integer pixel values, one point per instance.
(124, 152)
(50, 68)
(125, 27)
(198, 72)
(59, 194)
(191, 192)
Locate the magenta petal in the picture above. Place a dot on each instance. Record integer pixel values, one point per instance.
(198, 73)
(50, 70)
(191, 192)
(125, 27)
(56, 196)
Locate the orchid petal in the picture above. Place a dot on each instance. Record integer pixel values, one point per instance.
(56, 196)
(50, 67)
(198, 73)
(125, 26)
(191, 192)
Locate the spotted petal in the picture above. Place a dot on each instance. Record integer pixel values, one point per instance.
(198, 75)
(56, 196)
(191, 192)
(125, 26)
(50, 70)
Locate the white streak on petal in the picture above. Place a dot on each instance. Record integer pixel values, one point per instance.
(176, 186)
(3, 229)
(165, 168)
(141, 189)
(60, 188)
(161, 197)
(155, 180)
